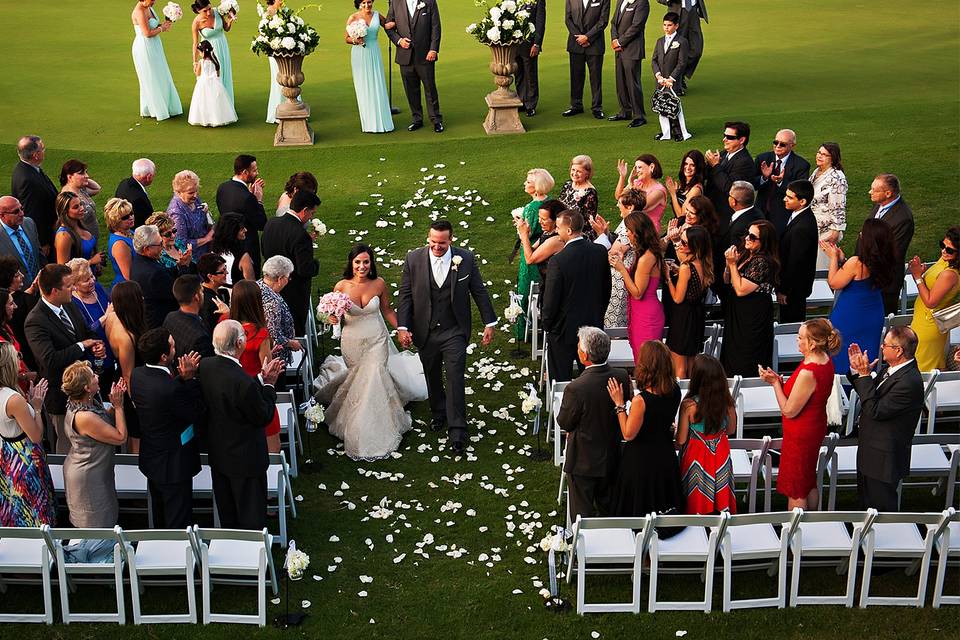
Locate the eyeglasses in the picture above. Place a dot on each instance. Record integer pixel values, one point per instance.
(752, 237)
(727, 136)
(129, 216)
(11, 211)
(168, 234)
(220, 273)
(885, 345)
(777, 143)
(949, 250)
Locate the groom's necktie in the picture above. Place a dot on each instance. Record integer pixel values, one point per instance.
(438, 275)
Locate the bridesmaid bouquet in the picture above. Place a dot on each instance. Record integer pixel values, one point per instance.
(333, 305)
(505, 23)
(357, 29)
(172, 12)
(228, 6)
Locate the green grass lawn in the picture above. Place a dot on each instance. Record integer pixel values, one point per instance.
(866, 75)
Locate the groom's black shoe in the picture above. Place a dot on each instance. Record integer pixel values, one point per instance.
(438, 127)
(437, 424)
(414, 126)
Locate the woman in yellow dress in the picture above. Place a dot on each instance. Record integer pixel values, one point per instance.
(937, 287)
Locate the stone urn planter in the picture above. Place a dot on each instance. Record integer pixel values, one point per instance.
(293, 128)
(503, 104)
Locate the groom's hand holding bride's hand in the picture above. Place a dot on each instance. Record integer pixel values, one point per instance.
(487, 336)
(405, 337)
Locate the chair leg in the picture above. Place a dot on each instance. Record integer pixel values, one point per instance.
(191, 590)
(262, 589)
(727, 578)
(708, 583)
(205, 586)
(136, 589)
(795, 569)
(654, 561)
(118, 578)
(47, 594)
(64, 588)
(941, 574)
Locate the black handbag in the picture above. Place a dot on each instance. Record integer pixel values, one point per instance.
(665, 102)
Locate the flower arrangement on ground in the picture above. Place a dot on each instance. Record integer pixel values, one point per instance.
(505, 23)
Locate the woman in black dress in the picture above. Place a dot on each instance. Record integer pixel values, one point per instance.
(686, 287)
(580, 194)
(748, 325)
(649, 476)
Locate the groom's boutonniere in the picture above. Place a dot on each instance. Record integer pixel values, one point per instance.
(456, 260)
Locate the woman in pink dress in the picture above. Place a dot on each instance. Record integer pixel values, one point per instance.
(645, 177)
(644, 311)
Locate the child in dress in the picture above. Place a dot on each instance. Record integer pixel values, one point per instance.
(210, 106)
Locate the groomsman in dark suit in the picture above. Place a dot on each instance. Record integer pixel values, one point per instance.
(169, 408)
(774, 171)
(668, 61)
(890, 207)
(528, 55)
(798, 253)
(18, 238)
(417, 36)
(626, 39)
(691, 13)
(186, 327)
(723, 169)
(577, 293)
(134, 190)
(891, 401)
(741, 201)
(34, 189)
(586, 21)
(243, 194)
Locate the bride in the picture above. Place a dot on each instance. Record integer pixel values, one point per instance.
(366, 400)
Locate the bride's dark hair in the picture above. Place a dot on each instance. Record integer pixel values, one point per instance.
(199, 5)
(357, 250)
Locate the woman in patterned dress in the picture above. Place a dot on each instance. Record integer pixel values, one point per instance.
(580, 194)
(616, 314)
(829, 203)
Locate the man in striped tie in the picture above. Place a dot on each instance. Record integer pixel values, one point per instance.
(18, 238)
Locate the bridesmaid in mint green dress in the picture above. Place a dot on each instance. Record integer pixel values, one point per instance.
(158, 95)
(209, 25)
(368, 81)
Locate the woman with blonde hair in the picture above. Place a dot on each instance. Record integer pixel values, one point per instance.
(93, 303)
(173, 247)
(190, 214)
(538, 184)
(119, 216)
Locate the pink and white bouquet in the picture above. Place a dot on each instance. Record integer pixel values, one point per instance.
(172, 12)
(332, 306)
(357, 29)
(228, 6)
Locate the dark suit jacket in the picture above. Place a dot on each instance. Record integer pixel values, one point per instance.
(285, 236)
(166, 407)
(239, 408)
(627, 26)
(731, 234)
(190, 333)
(131, 191)
(900, 219)
(587, 413)
(538, 15)
(422, 29)
(797, 168)
(590, 22)
(37, 194)
(888, 417)
(798, 256)
(7, 248)
(156, 282)
(55, 348)
(233, 197)
(577, 291)
(413, 297)
(721, 177)
(690, 29)
(672, 63)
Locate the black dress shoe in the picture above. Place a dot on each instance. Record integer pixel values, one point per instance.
(598, 114)
(531, 112)
(619, 116)
(637, 122)
(459, 447)
(438, 127)
(437, 424)
(572, 111)
(414, 126)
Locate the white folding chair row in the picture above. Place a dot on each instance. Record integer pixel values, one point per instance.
(892, 536)
(152, 553)
(27, 551)
(537, 339)
(311, 328)
(533, 291)
(755, 399)
(290, 426)
(228, 555)
(555, 398)
(748, 456)
(821, 295)
(943, 397)
(771, 471)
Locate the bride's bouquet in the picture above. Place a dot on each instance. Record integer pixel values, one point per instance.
(228, 6)
(332, 306)
(172, 12)
(284, 34)
(505, 23)
(357, 29)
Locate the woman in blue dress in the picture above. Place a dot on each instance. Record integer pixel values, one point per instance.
(368, 82)
(72, 240)
(859, 282)
(210, 25)
(119, 216)
(158, 95)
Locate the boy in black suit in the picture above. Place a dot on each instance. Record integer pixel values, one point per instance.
(669, 59)
(798, 253)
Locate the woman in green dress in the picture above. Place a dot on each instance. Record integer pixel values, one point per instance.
(158, 95)
(538, 184)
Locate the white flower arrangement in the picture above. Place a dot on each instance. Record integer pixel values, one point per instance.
(502, 25)
(314, 414)
(529, 402)
(172, 12)
(357, 29)
(319, 228)
(555, 542)
(297, 563)
(227, 7)
(285, 34)
(511, 313)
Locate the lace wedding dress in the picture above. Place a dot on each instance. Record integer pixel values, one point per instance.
(365, 404)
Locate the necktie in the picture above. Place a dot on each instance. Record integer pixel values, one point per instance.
(29, 259)
(438, 271)
(687, 4)
(777, 166)
(66, 320)
(881, 212)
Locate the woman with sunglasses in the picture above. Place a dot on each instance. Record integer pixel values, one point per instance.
(686, 288)
(194, 226)
(119, 216)
(937, 288)
(173, 247)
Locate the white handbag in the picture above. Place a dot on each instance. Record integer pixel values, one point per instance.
(947, 318)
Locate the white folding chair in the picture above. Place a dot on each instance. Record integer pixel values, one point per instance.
(895, 535)
(555, 400)
(825, 460)
(944, 397)
(928, 460)
(823, 534)
(608, 546)
(290, 425)
(68, 570)
(532, 296)
(160, 552)
(235, 554)
(28, 551)
(756, 400)
(748, 456)
(947, 544)
(785, 350)
(752, 536)
(621, 353)
(692, 544)
(279, 487)
(311, 327)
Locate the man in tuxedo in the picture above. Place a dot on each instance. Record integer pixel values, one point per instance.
(34, 189)
(18, 238)
(526, 76)
(433, 313)
(58, 336)
(417, 36)
(239, 407)
(798, 253)
(243, 194)
(286, 236)
(169, 408)
(134, 189)
(190, 332)
(723, 169)
(155, 280)
(774, 170)
(691, 13)
(586, 21)
(668, 61)
(890, 407)
(577, 292)
(741, 202)
(626, 35)
(890, 207)
(590, 419)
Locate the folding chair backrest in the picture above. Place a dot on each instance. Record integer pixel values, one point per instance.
(31, 533)
(263, 536)
(616, 333)
(786, 518)
(128, 536)
(717, 523)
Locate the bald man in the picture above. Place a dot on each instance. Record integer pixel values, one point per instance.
(34, 189)
(776, 169)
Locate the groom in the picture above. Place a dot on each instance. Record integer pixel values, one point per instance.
(434, 302)
(417, 36)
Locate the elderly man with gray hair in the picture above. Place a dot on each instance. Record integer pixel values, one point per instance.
(155, 280)
(134, 189)
(276, 275)
(741, 199)
(239, 406)
(589, 417)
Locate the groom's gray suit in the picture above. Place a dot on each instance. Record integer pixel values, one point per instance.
(438, 316)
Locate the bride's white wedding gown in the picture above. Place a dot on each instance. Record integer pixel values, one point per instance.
(365, 404)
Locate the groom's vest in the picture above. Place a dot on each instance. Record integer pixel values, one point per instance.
(441, 307)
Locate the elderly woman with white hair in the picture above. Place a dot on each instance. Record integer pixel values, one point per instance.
(580, 194)
(276, 275)
(538, 185)
(93, 303)
(189, 213)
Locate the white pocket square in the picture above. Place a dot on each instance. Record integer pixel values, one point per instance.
(595, 4)
(626, 10)
(463, 278)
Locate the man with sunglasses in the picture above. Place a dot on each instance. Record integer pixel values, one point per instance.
(18, 238)
(723, 169)
(890, 207)
(891, 401)
(776, 169)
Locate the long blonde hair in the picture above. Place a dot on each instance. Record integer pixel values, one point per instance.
(9, 366)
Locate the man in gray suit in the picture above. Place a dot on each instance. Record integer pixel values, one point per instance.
(586, 21)
(18, 238)
(417, 36)
(668, 61)
(528, 54)
(691, 13)
(626, 34)
(889, 206)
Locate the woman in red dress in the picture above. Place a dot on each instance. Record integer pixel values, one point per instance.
(803, 402)
(246, 307)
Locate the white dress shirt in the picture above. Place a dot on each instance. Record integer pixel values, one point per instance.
(56, 312)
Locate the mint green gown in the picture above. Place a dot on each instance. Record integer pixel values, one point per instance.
(368, 82)
(158, 95)
(218, 38)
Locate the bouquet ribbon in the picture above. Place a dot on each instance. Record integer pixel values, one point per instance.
(552, 564)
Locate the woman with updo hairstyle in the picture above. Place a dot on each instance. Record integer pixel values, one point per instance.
(547, 245)
(803, 402)
(684, 299)
(300, 181)
(74, 178)
(193, 226)
(119, 215)
(645, 318)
